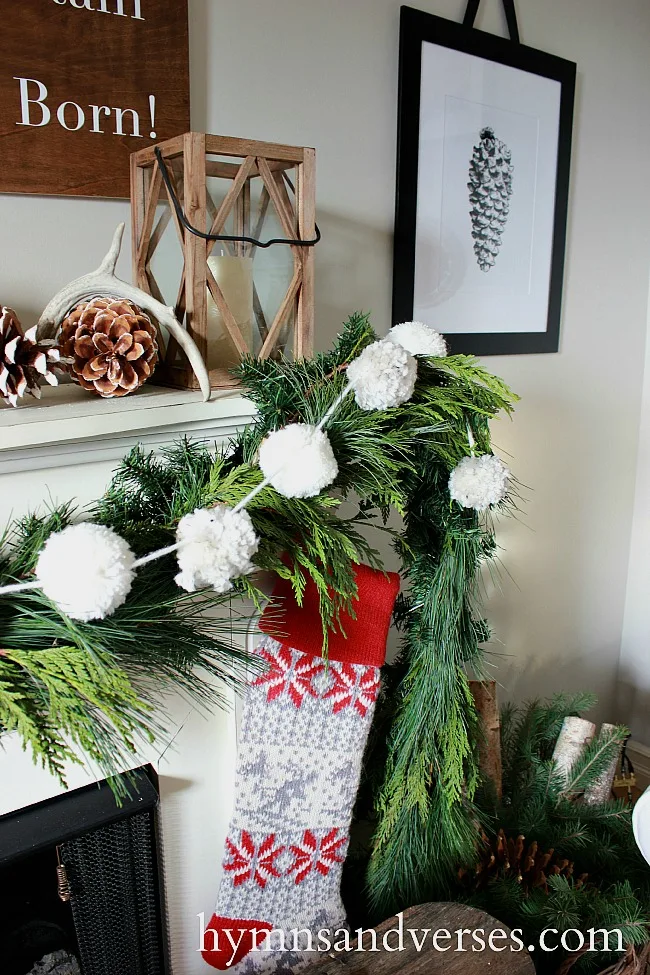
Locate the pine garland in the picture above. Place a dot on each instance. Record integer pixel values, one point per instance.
(424, 819)
(69, 687)
(425, 824)
(398, 459)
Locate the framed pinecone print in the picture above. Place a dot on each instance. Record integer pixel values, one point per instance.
(484, 151)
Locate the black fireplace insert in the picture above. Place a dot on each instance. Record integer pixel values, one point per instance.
(81, 878)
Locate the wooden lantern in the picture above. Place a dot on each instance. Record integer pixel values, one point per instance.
(234, 188)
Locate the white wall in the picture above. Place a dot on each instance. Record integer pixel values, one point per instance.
(633, 688)
(574, 435)
(324, 73)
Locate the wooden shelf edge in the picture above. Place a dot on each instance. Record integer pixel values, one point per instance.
(69, 427)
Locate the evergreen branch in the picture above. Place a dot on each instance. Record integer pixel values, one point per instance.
(607, 884)
(594, 761)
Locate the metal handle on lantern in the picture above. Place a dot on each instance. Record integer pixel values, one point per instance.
(297, 242)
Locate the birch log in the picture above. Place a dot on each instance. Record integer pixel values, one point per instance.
(574, 737)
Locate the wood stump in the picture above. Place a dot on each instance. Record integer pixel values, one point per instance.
(429, 961)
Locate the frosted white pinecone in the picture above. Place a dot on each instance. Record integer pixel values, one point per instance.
(490, 189)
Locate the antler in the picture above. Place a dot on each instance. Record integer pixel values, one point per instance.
(104, 281)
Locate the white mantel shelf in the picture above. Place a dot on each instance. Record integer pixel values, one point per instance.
(70, 426)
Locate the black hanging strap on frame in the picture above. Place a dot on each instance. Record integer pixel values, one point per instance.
(510, 12)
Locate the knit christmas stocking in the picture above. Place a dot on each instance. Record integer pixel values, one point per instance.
(304, 728)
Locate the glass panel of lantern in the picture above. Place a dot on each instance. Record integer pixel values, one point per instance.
(253, 280)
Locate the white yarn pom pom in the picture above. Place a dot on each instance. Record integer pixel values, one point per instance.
(418, 339)
(298, 460)
(383, 375)
(478, 482)
(87, 570)
(216, 546)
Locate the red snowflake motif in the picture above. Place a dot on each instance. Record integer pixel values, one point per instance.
(285, 674)
(353, 687)
(248, 861)
(314, 854)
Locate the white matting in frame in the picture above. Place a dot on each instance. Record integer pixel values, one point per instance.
(461, 95)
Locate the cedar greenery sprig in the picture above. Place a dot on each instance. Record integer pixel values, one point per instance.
(48, 694)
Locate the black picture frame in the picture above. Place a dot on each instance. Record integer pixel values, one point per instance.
(417, 28)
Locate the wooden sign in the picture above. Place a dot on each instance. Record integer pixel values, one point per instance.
(83, 84)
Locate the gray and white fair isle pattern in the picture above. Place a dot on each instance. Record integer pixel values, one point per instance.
(304, 727)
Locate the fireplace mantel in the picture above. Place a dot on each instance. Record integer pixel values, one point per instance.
(68, 427)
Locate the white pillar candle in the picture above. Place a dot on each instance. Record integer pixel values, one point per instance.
(234, 275)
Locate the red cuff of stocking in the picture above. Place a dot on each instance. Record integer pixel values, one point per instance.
(365, 637)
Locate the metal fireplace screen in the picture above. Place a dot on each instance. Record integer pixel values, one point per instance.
(116, 898)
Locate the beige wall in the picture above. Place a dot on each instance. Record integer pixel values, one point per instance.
(574, 438)
(633, 688)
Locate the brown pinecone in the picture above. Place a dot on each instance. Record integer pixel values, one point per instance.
(112, 344)
(25, 362)
(507, 857)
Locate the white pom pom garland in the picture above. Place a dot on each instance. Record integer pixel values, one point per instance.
(215, 546)
(298, 460)
(87, 570)
(479, 482)
(418, 339)
(382, 376)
